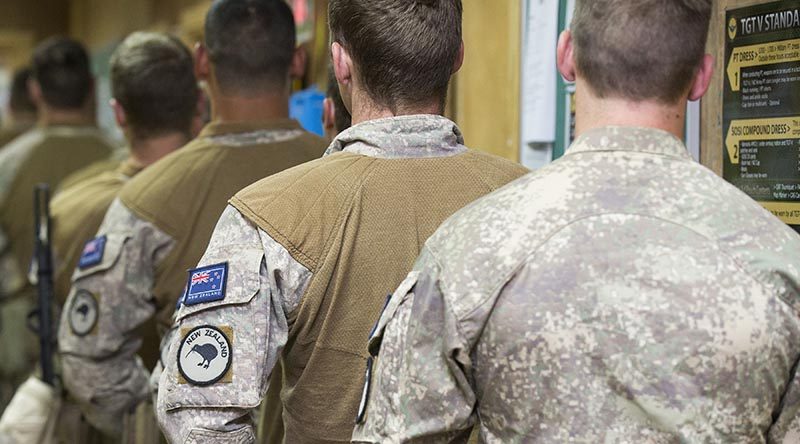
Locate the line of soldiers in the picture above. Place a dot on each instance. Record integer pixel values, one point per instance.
(622, 294)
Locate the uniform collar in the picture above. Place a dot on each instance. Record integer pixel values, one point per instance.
(401, 137)
(630, 139)
(129, 168)
(214, 129)
(63, 130)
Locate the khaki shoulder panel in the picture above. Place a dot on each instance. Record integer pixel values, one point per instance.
(50, 162)
(89, 172)
(495, 169)
(184, 195)
(77, 213)
(204, 176)
(280, 204)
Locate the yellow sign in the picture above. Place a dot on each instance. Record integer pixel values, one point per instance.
(785, 51)
(780, 128)
(789, 212)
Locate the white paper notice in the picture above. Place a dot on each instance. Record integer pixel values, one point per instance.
(540, 35)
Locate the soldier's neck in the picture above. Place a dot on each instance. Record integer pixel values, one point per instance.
(594, 112)
(72, 117)
(147, 151)
(365, 109)
(256, 108)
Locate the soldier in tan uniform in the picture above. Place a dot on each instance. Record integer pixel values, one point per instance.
(623, 294)
(64, 140)
(21, 115)
(155, 101)
(162, 220)
(301, 263)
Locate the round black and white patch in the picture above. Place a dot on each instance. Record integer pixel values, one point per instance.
(204, 356)
(83, 313)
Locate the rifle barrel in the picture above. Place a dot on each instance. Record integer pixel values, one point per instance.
(44, 261)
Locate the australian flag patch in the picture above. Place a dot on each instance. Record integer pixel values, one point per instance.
(206, 284)
(92, 252)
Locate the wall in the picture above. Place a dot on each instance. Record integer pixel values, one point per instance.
(487, 88)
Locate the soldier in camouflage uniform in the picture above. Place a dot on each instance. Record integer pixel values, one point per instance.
(21, 115)
(623, 294)
(155, 101)
(301, 263)
(64, 140)
(162, 220)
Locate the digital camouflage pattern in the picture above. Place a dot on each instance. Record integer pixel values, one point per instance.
(101, 369)
(623, 294)
(265, 284)
(415, 136)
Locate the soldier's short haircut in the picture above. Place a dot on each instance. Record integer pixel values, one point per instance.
(61, 67)
(404, 50)
(251, 43)
(342, 119)
(642, 50)
(152, 78)
(20, 101)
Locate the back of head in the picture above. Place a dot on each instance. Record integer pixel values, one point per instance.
(61, 68)
(152, 78)
(20, 102)
(641, 51)
(250, 44)
(404, 51)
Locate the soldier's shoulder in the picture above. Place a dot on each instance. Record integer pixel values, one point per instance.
(299, 207)
(498, 165)
(167, 173)
(304, 182)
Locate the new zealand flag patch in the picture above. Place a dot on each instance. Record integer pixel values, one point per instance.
(206, 284)
(92, 252)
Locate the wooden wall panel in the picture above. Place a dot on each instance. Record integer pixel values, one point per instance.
(488, 87)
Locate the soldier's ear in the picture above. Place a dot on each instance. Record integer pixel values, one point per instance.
(299, 61)
(459, 59)
(202, 65)
(119, 114)
(342, 64)
(702, 78)
(565, 56)
(328, 114)
(35, 91)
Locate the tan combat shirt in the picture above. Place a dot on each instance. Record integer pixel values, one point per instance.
(42, 155)
(77, 211)
(156, 229)
(623, 294)
(306, 260)
(7, 135)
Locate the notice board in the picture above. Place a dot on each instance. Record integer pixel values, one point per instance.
(761, 105)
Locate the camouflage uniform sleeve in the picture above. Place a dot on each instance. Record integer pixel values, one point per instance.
(109, 300)
(786, 429)
(218, 364)
(420, 390)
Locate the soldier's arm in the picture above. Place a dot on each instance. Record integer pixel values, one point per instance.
(226, 344)
(109, 300)
(786, 429)
(419, 390)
